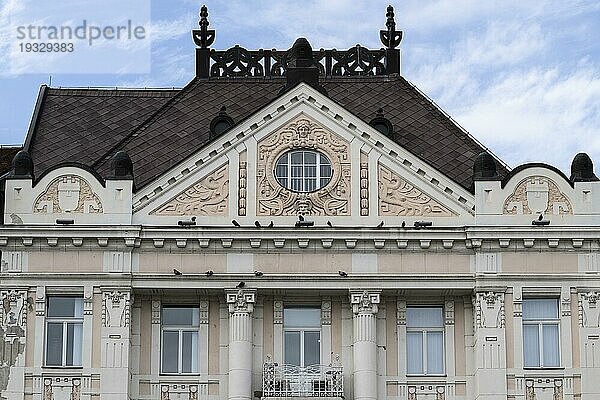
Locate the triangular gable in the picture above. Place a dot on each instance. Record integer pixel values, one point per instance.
(303, 102)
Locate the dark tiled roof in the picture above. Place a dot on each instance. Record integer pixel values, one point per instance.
(80, 125)
(159, 129)
(6, 155)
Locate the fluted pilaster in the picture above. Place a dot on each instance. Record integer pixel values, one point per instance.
(364, 308)
(241, 305)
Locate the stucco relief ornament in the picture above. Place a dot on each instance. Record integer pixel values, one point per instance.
(14, 310)
(332, 199)
(398, 197)
(489, 310)
(241, 301)
(365, 302)
(208, 196)
(115, 310)
(537, 195)
(589, 310)
(68, 194)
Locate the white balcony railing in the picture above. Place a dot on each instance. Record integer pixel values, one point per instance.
(312, 381)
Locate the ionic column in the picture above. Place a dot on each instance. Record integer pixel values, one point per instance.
(241, 305)
(365, 307)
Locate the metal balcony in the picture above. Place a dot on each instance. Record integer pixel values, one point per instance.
(293, 381)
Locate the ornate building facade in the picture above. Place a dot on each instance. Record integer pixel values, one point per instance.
(289, 225)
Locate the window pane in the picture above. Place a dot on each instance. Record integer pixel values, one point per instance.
(414, 352)
(551, 347)
(303, 317)
(312, 348)
(281, 170)
(189, 349)
(435, 353)
(292, 348)
(310, 171)
(65, 307)
(536, 309)
(54, 340)
(296, 157)
(531, 345)
(424, 317)
(74, 343)
(326, 171)
(310, 158)
(170, 349)
(182, 316)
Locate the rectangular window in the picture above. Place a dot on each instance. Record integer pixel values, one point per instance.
(179, 349)
(425, 341)
(541, 324)
(302, 336)
(64, 331)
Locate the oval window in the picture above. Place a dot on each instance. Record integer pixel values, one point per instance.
(303, 170)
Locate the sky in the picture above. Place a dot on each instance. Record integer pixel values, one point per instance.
(523, 77)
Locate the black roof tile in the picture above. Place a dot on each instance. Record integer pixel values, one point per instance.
(160, 128)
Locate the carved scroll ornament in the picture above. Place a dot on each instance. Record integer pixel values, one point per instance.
(208, 196)
(537, 194)
(68, 193)
(397, 197)
(274, 199)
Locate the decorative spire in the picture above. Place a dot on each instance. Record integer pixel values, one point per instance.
(390, 38)
(203, 37)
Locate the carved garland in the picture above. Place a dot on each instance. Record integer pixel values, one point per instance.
(68, 193)
(208, 196)
(333, 199)
(397, 197)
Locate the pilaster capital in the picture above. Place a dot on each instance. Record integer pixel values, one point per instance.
(14, 305)
(365, 301)
(489, 309)
(240, 300)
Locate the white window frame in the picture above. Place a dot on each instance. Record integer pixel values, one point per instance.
(319, 157)
(302, 330)
(540, 323)
(424, 334)
(180, 329)
(65, 321)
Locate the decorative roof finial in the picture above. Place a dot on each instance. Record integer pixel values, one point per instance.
(390, 38)
(203, 37)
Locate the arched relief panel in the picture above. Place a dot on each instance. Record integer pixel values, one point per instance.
(208, 196)
(303, 133)
(68, 192)
(398, 197)
(537, 194)
(535, 190)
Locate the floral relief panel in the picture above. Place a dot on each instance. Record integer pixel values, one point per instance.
(303, 133)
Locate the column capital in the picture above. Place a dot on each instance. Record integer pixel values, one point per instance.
(365, 301)
(240, 300)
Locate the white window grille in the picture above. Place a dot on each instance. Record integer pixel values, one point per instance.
(303, 170)
(425, 341)
(64, 331)
(179, 341)
(541, 333)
